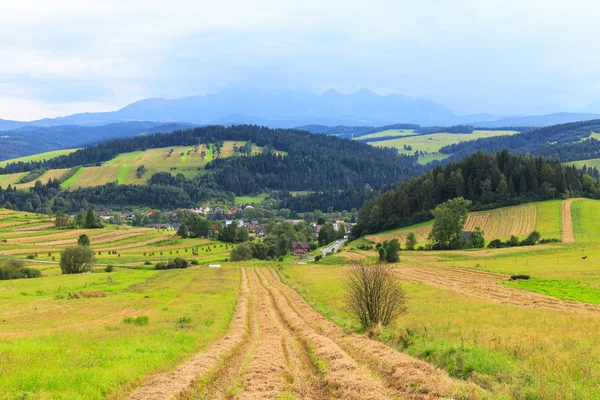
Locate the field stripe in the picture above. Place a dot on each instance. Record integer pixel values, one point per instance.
(170, 384)
(567, 222)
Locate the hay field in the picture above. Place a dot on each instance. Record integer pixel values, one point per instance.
(431, 144)
(389, 132)
(39, 157)
(500, 223)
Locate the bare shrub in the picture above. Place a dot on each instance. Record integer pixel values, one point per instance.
(374, 295)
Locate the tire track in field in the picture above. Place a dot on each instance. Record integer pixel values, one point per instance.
(485, 285)
(170, 384)
(567, 222)
(402, 375)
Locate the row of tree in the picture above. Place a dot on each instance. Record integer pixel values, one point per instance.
(486, 180)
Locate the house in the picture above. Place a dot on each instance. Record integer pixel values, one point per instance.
(317, 228)
(300, 248)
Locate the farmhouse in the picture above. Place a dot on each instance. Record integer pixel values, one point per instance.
(300, 248)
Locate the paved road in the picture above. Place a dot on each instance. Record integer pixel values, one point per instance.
(333, 247)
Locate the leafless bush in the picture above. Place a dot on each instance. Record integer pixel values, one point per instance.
(374, 295)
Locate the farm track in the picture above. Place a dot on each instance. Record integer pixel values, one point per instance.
(567, 222)
(280, 347)
(485, 285)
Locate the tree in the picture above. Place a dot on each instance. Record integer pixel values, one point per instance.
(531, 239)
(183, 230)
(242, 234)
(83, 240)
(242, 252)
(326, 234)
(450, 218)
(90, 219)
(62, 220)
(75, 260)
(374, 295)
(411, 241)
(392, 247)
(476, 240)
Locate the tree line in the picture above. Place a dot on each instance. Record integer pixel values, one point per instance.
(486, 180)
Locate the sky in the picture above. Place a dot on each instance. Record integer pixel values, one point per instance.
(506, 57)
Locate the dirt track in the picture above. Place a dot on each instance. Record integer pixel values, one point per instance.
(280, 347)
(485, 285)
(567, 222)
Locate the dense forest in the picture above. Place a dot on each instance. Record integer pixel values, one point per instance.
(488, 180)
(319, 163)
(565, 142)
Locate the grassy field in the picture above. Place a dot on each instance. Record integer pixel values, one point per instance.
(250, 199)
(586, 220)
(186, 160)
(38, 157)
(61, 348)
(501, 223)
(389, 132)
(431, 144)
(26, 234)
(515, 351)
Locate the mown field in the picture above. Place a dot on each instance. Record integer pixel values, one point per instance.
(186, 160)
(431, 144)
(389, 132)
(469, 332)
(38, 157)
(26, 234)
(523, 339)
(545, 217)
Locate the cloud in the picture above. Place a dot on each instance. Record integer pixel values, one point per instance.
(512, 56)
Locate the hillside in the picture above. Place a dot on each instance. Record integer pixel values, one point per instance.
(187, 167)
(29, 140)
(565, 142)
(487, 180)
(500, 223)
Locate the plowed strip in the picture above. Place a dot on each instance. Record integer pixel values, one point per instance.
(485, 285)
(567, 222)
(345, 377)
(170, 384)
(409, 377)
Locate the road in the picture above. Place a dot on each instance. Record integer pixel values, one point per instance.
(333, 247)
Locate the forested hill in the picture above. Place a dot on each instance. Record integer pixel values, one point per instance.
(309, 162)
(313, 162)
(565, 142)
(488, 180)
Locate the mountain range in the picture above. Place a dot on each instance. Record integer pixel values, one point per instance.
(288, 109)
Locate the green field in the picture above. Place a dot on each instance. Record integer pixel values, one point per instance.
(389, 132)
(591, 163)
(482, 335)
(243, 200)
(501, 223)
(186, 160)
(39, 157)
(431, 144)
(586, 220)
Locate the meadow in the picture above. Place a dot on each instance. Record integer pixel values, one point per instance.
(501, 223)
(38, 157)
(186, 160)
(431, 144)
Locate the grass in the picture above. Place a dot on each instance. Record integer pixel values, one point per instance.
(499, 223)
(431, 144)
(27, 233)
(516, 352)
(186, 160)
(250, 199)
(567, 289)
(389, 132)
(53, 347)
(586, 220)
(39, 157)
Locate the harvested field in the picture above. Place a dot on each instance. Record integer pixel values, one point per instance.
(485, 285)
(275, 343)
(504, 222)
(567, 222)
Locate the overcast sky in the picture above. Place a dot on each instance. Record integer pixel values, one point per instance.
(497, 56)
